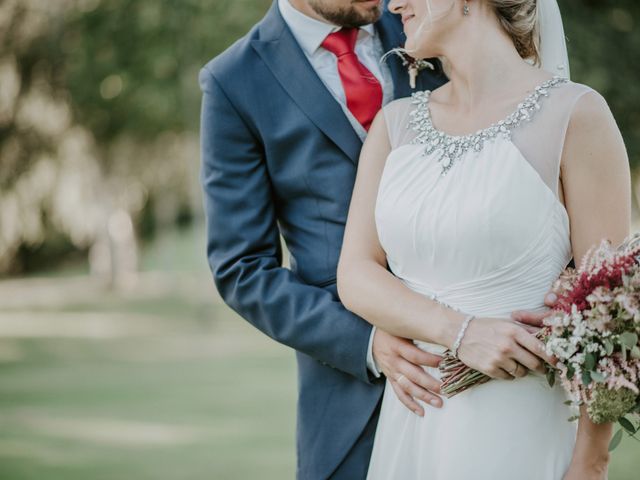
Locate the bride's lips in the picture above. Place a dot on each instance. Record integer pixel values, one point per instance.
(406, 17)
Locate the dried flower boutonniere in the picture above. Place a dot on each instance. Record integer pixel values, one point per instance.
(414, 65)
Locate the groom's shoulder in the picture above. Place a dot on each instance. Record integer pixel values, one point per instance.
(234, 60)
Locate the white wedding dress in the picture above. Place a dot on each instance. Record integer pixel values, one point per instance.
(476, 223)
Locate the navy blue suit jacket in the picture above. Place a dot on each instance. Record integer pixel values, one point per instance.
(279, 157)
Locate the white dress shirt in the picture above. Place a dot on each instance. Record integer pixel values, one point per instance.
(310, 33)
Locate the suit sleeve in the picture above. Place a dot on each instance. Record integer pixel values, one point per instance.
(244, 252)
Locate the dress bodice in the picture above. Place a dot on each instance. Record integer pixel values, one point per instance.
(476, 221)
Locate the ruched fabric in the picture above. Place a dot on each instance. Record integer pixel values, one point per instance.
(488, 238)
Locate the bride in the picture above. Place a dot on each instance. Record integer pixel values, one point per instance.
(468, 203)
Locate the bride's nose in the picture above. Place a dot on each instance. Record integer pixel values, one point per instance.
(396, 6)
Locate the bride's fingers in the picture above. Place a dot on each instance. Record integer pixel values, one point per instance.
(534, 345)
(532, 330)
(550, 299)
(517, 370)
(406, 399)
(528, 361)
(529, 328)
(501, 373)
(531, 318)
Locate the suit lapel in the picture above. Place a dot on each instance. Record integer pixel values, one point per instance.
(392, 37)
(283, 56)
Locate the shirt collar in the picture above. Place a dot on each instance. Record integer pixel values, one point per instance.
(309, 32)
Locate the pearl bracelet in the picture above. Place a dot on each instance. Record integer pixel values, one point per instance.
(456, 344)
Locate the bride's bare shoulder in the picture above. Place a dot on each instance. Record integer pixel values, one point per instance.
(593, 137)
(398, 105)
(590, 113)
(590, 104)
(395, 116)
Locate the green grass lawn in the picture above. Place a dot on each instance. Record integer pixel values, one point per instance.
(165, 383)
(197, 401)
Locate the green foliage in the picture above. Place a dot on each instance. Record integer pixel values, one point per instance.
(604, 44)
(131, 65)
(615, 440)
(99, 112)
(105, 92)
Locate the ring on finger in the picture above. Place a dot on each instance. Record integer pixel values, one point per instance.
(400, 377)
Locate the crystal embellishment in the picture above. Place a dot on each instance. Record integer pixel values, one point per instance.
(448, 149)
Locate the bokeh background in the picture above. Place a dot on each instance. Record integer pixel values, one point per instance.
(117, 358)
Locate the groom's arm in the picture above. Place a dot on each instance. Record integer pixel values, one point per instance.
(244, 250)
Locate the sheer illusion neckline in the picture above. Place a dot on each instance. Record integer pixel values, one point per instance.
(539, 90)
(450, 148)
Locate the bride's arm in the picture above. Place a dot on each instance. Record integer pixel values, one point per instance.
(365, 286)
(597, 190)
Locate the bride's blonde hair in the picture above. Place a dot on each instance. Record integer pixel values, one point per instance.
(519, 18)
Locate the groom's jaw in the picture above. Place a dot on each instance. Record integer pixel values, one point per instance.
(348, 13)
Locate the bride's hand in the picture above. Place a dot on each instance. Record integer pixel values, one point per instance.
(535, 320)
(500, 348)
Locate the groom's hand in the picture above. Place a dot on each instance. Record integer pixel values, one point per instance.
(400, 360)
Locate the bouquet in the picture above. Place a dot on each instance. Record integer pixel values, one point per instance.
(593, 331)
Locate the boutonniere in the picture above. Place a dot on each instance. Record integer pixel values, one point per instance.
(414, 65)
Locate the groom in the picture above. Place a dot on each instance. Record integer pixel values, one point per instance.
(284, 114)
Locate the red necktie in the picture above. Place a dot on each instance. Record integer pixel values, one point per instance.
(362, 88)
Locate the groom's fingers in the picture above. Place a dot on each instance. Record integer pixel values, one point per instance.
(418, 356)
(415, 382)
(425, 382)
(406, 399)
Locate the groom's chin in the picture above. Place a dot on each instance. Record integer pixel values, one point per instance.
(369, 11)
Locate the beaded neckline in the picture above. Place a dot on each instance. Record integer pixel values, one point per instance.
(450, 148)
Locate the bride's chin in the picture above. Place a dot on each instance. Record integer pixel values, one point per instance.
(416, 46)
(417, 51)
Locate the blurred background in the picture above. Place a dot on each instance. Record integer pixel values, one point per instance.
(117, 357)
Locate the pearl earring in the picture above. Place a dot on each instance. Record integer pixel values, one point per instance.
(465, 9)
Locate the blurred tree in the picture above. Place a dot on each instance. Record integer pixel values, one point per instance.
(99, 108)
(604, 50)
